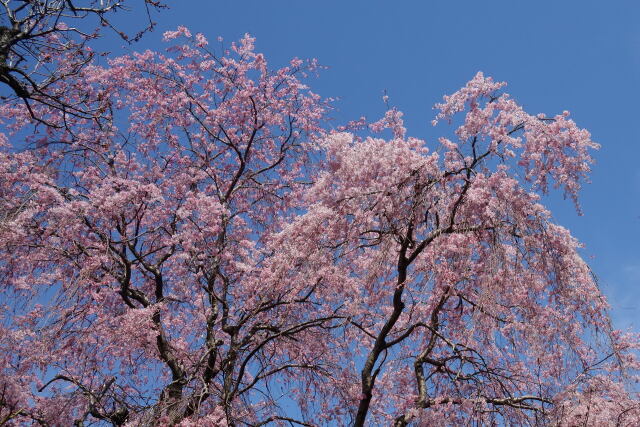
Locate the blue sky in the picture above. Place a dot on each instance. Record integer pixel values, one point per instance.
(582, 56)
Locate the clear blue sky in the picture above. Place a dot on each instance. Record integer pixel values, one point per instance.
(583, 56)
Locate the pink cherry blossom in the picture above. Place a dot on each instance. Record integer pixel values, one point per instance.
(203, 252)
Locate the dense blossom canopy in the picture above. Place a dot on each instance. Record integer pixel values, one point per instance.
(204, 252)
